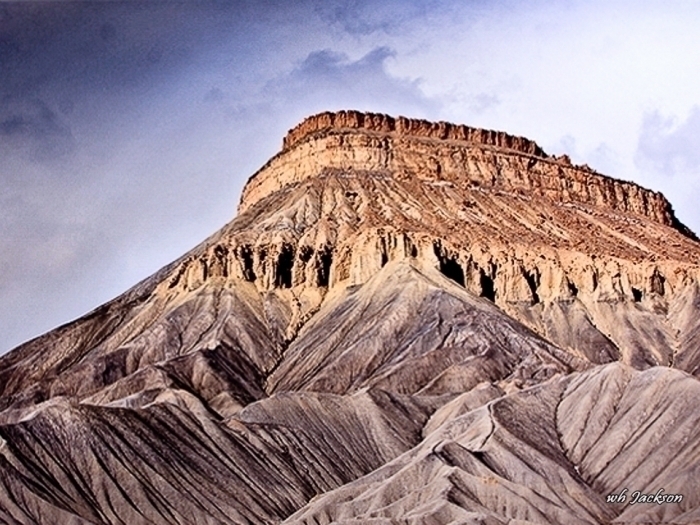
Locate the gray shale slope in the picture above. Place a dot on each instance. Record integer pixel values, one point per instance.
(406, 323)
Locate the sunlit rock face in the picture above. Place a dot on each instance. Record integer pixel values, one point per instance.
(417, 322)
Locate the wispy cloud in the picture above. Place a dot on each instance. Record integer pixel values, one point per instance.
(328, 80)
(668, 146)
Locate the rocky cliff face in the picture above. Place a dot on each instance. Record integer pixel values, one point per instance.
(380, 271)
(421, 150)
(402, 126)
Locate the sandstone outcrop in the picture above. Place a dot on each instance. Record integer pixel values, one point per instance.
(418, 149)
(402, 126)
(407, 321)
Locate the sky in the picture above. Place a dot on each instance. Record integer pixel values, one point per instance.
(128, 128)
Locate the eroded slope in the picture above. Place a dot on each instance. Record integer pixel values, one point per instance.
(549, 454)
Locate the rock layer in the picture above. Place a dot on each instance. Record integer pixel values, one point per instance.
(402, 126)
(416, 149)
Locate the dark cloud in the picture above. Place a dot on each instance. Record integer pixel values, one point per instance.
(328, 80)
(31, 127)
(59, 59)
(669, 147)
(363, 17)
(330, 67)
(88, 46)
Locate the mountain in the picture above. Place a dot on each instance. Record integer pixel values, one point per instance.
(407, 322)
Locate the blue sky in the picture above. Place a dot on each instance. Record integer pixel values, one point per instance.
(127, 129)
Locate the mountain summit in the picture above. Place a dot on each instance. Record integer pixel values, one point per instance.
(407, 322)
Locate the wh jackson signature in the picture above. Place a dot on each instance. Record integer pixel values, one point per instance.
(660, 497)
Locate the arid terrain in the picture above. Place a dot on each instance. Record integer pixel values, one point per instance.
(405, 323)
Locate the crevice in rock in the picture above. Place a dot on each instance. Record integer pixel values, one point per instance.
(261, 266)
(488, 289)
(492, 419)
(657, 283)
(383, 250)
(533, 281)
(323, 266)
(221, 255)
(636, 295)
(283, 268)
(573, 289)
(245, 255)
(410, 248)
(205, 268)
(449, 265)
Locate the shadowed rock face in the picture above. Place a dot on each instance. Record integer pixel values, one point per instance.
(407, 322)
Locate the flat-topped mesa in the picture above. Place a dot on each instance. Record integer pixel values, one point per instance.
(403, 126)
(413, 151)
